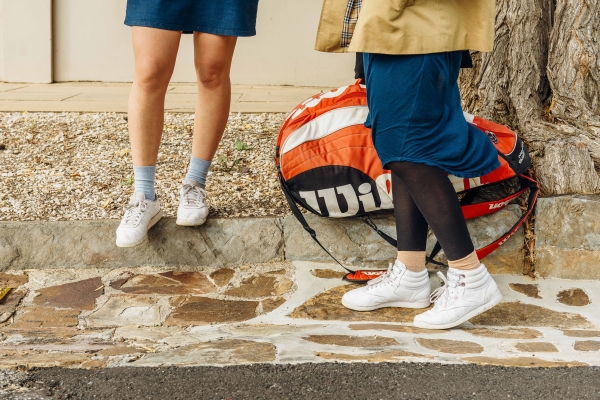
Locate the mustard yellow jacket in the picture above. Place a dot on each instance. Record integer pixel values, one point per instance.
(410, 26)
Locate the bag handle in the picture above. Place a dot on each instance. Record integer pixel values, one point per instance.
(534, 191)
(527, 182)
(480, 209)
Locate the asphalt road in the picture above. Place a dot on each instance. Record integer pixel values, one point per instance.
(310, 381)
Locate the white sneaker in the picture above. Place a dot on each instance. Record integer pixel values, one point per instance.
(464, 295)
(398, 287)
(192, 209)
(140, 215)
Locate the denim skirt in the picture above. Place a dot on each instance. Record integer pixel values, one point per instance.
(218, 17)
(416, 116)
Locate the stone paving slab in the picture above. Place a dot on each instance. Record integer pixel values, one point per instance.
(113, 97)
(221, 316)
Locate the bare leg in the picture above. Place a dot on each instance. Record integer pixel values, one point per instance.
(212, 57)
(155, 52)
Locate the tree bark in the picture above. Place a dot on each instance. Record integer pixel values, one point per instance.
(509, 85)
(543, 80)
(555, 168)
(574, 70)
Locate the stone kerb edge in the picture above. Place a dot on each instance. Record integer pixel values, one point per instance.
(81, 244)
(567, 242)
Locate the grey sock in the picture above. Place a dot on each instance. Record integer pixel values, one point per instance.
(198, 170)
(144, 181)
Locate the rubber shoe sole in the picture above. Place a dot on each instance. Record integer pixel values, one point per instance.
(190, 222)
(479, 310)
(398, 304)
(152, 222)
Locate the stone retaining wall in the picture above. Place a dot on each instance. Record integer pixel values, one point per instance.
(567, 242)
(567, 237)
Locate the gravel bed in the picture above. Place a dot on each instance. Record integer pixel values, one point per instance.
(77, 166)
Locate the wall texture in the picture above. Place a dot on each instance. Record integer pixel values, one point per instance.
(1, 40)
(92, 44)
(26, 40)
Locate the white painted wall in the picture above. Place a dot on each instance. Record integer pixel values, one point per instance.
(91, 43)
(1, 41)
(26, 41)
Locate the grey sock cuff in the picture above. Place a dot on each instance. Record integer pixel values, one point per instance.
(144, 180)
(198, 170)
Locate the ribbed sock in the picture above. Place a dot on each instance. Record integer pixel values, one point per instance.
(469, 262)
(144, 181)
(413, 260)
(198, 170)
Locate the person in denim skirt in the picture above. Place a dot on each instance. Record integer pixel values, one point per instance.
(157, 26)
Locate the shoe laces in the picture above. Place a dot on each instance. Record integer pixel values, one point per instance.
(450, 287)
(193, 195)
(387, 278)
(134, 212)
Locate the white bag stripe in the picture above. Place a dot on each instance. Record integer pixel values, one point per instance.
(324, 125)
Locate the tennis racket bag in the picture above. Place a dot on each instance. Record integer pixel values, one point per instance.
(328, 165)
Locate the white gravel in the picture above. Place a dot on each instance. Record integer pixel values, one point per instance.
(77, 166)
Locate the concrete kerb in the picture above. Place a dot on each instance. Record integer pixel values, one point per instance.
(567, 242)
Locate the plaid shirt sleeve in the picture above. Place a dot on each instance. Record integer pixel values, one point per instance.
(350, 19)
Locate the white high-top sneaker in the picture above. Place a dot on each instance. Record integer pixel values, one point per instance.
(140, 215)
(464, 295)
(192, 209)
(398, 287)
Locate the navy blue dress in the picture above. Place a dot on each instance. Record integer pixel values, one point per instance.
(416, 116)
(218, 17)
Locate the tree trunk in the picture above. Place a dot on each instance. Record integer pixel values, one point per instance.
(543, 80)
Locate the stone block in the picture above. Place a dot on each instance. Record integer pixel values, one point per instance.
(567, 237)
(226, 351)
(349, 240)
(354, 243)
(80, 295)
(127, 310)
(73, 244)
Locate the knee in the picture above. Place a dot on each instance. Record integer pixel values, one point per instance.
(152, 77)
(212, 76)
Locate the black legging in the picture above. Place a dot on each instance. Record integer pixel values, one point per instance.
(423, 196)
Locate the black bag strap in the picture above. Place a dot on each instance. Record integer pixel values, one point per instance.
(394, 242)
(300, 217)
(534, 191)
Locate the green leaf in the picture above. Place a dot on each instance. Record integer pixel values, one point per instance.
(128, 182)
(239, 145)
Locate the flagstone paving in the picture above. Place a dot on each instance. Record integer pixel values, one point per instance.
(527, 289)
(573, 297)
(278, 312)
